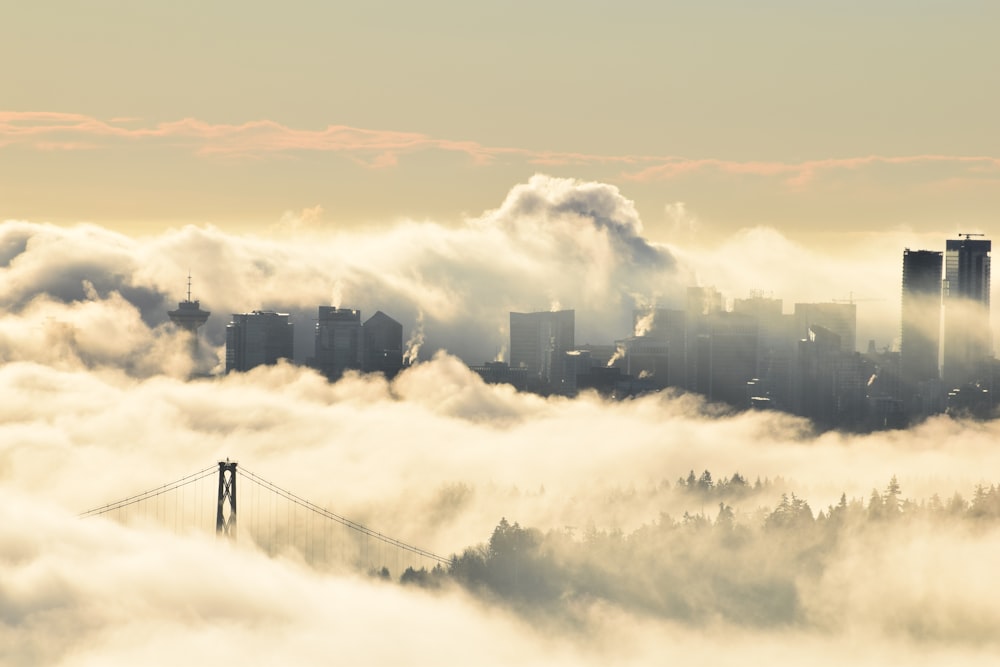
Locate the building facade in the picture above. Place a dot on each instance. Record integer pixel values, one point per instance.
(339, 344)
(966, 298)
(258, 338)
(921, 316)
(839, 318)
(539, 342)
(382, 339)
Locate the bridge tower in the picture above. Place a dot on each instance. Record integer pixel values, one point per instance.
(226, 525)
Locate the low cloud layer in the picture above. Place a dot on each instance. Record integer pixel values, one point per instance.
(436, 458)
(96, 408)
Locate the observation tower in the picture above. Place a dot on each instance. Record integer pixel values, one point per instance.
(189, 315)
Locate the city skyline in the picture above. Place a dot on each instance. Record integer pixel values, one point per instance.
(923, 279)
(388, 181)
(745, 352)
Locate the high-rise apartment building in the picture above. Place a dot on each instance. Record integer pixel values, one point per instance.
(539, 342)
(966, 298)
(921, 316)
(257, 338)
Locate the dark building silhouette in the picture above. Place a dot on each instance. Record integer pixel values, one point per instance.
(646, 358)
(921, 315)
(189, 315)
(775, 350)
(539, 342)
(257, 338)
(500, 372)
(725, 357)
(339, 344)
(701, 302)
(919, 342)
(966, 298)
(829, 382)
(382, 339)
(883, 390)
(664, 328)
(838, 318)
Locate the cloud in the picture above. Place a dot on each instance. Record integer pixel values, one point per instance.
(96, 407)
(380, 148)
(802, 173)
(436, 458)
(579, 243)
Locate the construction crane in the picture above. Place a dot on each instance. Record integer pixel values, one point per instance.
(967, 235)
(852, 299)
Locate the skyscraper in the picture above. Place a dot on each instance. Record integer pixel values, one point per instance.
(260, 337)
(921, 316)
(776, 346)
(725, 357)
(668, 328)
(383, 344)
(539, 341)
(967, 336)
(339, 344)
(839, 318)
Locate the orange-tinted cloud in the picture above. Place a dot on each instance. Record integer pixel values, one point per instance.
(374, 148)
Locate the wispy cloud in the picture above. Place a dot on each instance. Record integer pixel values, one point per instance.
(379, 148)
(803, 172)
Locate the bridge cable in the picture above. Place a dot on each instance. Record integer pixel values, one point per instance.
(151, 493)
(302, 502)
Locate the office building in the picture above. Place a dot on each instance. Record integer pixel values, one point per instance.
(539, 342)
(646, 358)
(966, 298)
(668, 329)
(920, 315)
(724, 357)
(838, 318)
(257, 338)
(776, 348)
(500, 372)
(339, 344)
(829, 382)
(920, 387)
(382, 339)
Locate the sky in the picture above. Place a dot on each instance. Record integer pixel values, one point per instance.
(818, 119)
(448, 163)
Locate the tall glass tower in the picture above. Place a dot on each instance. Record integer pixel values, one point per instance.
(968, 342)
(921, 316)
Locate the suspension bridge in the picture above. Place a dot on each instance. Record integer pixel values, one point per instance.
(271, 518)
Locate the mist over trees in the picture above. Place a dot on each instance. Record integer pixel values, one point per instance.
(766, 567)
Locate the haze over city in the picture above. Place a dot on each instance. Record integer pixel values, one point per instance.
(448, 165)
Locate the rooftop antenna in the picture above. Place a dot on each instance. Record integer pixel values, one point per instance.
(189, 285)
